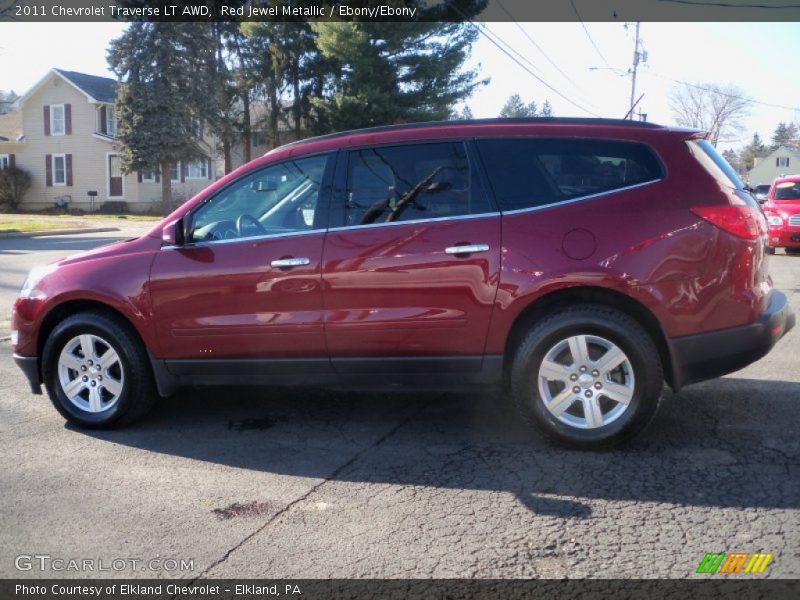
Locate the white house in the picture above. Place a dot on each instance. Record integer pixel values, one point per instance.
(782, 161)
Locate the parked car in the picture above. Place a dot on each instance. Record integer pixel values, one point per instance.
(782, 209)
(580, 262)
(760, 191)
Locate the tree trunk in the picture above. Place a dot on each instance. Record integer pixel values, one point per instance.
(166, 189)
(226, 152)
(296, 108)
(246, 126)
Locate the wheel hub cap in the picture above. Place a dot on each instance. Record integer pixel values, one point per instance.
(90, 373)
(586, 381)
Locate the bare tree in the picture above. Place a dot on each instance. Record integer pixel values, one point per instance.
(718, 109)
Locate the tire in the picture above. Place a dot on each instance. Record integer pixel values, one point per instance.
(93, 394)
(544, 372)
(792, 250)
(770, 250)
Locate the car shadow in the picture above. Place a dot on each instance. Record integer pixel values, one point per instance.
(724, 443)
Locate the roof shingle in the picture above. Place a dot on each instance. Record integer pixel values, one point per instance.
(102, 89)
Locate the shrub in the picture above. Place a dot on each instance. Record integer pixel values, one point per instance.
(14, 183)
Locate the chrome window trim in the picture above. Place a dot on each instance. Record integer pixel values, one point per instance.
(250, 238)
(433, 220)
(517, 211)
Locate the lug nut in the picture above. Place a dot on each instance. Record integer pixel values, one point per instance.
(94, 383)
(583, 369)
(573, 377)
(588, 393)
(598, 385)
(90, 363)
(576, 389)
(83, 367)
(595, 373)
(85, 378)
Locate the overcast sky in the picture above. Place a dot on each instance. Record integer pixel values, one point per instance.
(761, 58)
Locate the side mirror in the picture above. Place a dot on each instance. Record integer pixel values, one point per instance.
(174, 233)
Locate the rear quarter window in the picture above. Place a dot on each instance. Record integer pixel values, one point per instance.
(531, 172)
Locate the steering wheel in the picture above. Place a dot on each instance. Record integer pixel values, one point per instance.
(244, 221)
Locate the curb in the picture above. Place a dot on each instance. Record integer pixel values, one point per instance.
(26, 234)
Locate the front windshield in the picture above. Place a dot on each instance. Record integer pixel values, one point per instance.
(789, 190)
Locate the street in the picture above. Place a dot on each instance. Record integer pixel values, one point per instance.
(249, 482)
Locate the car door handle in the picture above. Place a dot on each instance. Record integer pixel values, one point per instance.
(467, 249)
(282, 263)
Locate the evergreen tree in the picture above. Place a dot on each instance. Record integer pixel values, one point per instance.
(463, 115)
(164, 72)
(786, 134)
(733, 159)
(394, 72)
(755, 149)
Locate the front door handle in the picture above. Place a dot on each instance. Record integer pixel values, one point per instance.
(467, 249)
(283, 263)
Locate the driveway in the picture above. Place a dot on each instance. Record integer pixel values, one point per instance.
(314, 484)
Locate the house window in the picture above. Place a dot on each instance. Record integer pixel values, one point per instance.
(259, 138)
(782, 161)
(197, 170)
(175, 171)
(57, 119)
(149, 175)
(59, 169)
(5, 161)
(111, 120)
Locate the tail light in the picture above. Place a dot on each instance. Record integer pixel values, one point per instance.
(742, 221)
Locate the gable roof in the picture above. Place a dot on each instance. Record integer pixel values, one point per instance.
(94, 87)
(102, 89)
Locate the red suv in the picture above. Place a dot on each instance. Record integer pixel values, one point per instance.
(580, 262)
(782, 208)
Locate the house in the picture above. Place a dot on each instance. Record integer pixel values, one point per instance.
(781, 161)
(64, 134)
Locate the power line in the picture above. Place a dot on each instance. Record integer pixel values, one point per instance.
(721, 93)
(530, 72)
(537, 46)
(729, 5)
(588, 35)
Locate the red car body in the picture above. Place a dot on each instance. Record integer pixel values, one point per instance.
(783, 213)
(387, 305)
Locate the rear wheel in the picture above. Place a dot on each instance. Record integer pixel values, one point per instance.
(96, 371)
(770, 250)
(588, 376)
(793, 251)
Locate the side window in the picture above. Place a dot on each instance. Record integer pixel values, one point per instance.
(408, 183)
(530, 172)
(281, 198)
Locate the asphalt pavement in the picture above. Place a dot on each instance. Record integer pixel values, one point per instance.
(242, 482)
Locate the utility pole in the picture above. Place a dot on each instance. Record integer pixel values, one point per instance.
(637, 56)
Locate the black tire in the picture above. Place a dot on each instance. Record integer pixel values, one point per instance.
(138, 394)
(606, 323)
(770, 250)
(792, 250)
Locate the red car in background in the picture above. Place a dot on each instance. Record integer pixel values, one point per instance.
(580, 263)
(782, 209)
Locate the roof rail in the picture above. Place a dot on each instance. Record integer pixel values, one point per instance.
(495, 121)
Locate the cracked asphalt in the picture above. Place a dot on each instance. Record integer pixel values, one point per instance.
(277, 483)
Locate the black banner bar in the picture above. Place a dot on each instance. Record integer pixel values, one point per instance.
(398, 10)
(740, 587)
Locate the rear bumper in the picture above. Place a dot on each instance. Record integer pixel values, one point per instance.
(708, 355)
(30, 367)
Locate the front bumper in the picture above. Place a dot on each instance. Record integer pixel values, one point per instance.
(783, 237)
(30, 367)
(708, 355)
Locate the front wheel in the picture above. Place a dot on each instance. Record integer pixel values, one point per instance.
(792, 250)
(96, 371)
(588, 376)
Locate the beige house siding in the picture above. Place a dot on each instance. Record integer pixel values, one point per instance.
(89, 153)
(767, 169)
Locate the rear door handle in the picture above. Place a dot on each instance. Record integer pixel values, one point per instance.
(468, 249)
(282, 263)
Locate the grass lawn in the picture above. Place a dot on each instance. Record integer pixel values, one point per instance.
(25, 223)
